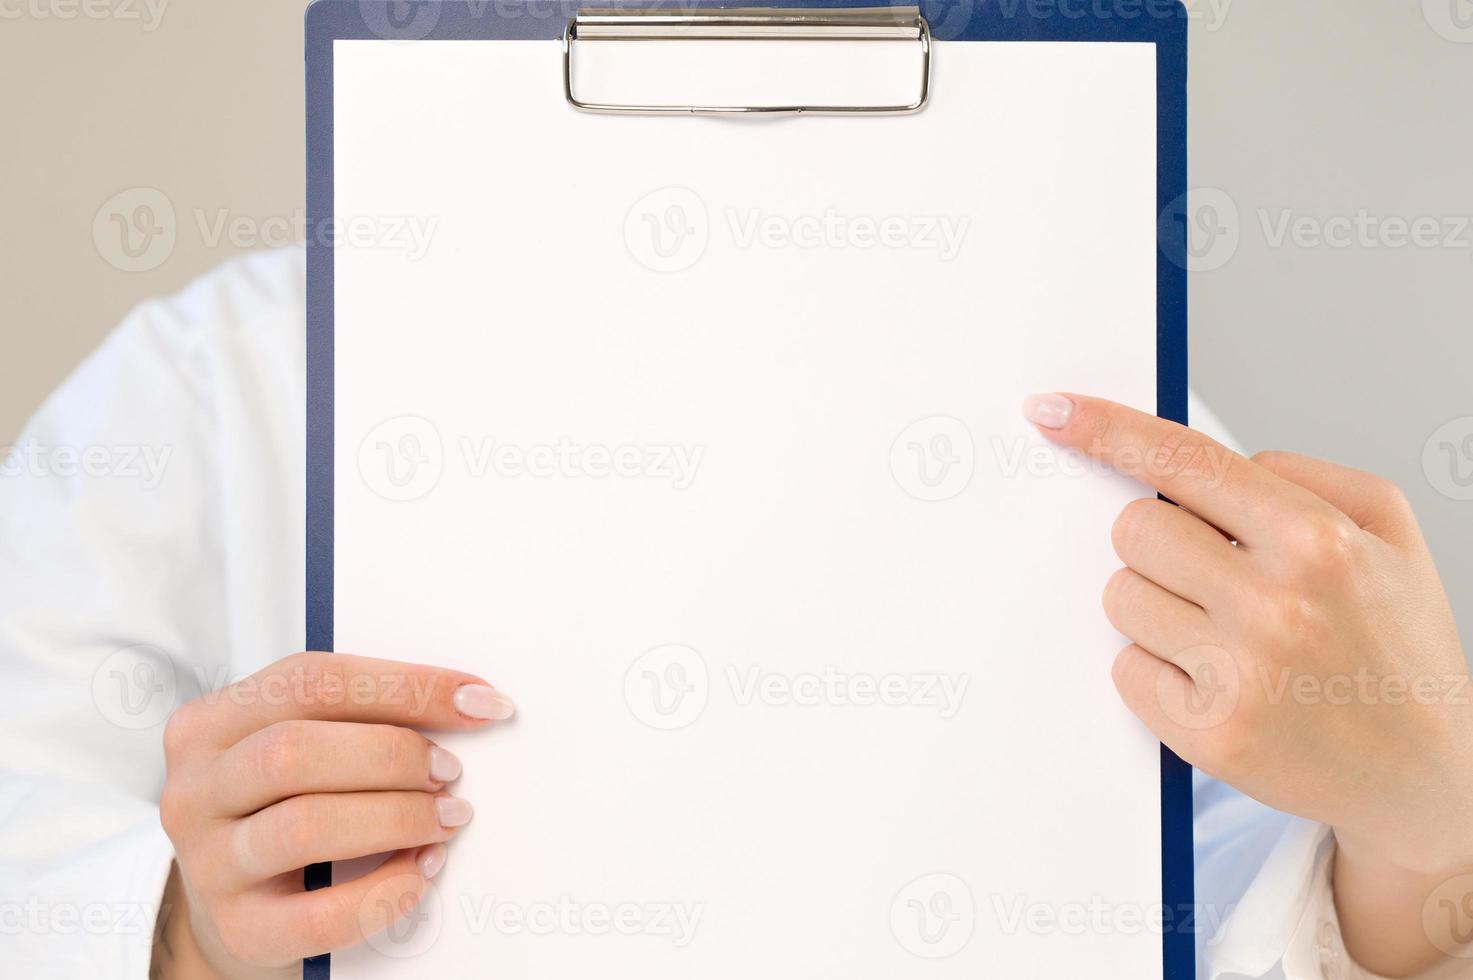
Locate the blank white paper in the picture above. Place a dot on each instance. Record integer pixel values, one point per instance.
(701, 439)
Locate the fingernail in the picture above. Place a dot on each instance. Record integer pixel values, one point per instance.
(1049, 411)
(444, 766)
(431, 859)
(453, 811)
(486, 703)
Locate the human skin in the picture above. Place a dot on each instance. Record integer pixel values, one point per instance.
(315, 758)
(1292, 638)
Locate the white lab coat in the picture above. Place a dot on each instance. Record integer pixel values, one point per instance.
(154, 506)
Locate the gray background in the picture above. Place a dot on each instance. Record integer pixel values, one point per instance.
(1356, 354)
(1315, 108)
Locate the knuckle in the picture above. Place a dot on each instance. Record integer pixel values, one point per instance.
(296, 822)
(1269, 459)
(1118, 592)
(319, 679)
(183, 730)
(412, 815)
(1231, 750)
(280, 751)
(1231, 747)
(402, 752)
(1390, 497)
(1325, 544)
(1125, 672)
(1132, 529)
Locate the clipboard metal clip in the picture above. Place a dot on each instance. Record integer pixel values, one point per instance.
(750, 24)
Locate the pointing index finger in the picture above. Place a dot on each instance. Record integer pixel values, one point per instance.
(1187, 467)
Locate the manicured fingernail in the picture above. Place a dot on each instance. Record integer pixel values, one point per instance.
(444, 766)
(453, 811)
(486, 703)
(1049, 411)
(430, 859)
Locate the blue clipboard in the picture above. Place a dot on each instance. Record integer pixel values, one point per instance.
(1159, 22)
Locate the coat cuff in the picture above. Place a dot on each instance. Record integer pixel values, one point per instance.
(1260, 930)
(1288, 915)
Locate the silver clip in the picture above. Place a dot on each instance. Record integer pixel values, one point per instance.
(750, 24)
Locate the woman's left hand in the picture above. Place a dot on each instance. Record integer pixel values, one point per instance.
(1293, 639)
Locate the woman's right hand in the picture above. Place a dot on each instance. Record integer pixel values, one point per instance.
(312, 759)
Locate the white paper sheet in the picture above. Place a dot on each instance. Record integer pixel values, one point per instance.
(700, 438)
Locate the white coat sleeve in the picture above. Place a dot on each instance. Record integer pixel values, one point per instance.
(145, 556)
